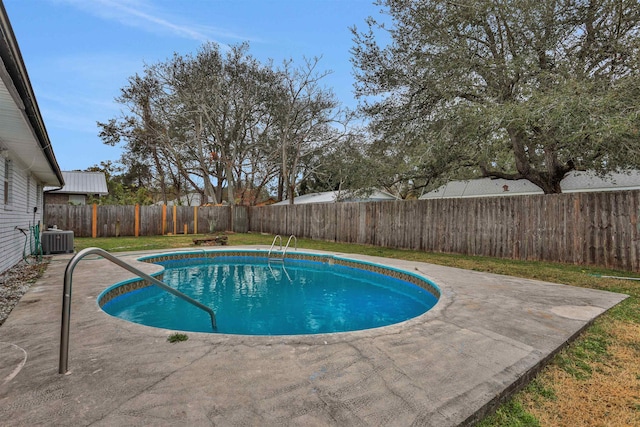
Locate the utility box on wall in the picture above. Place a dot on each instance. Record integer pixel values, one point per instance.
(57, 242)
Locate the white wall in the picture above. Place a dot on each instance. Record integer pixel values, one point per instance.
(26, 193)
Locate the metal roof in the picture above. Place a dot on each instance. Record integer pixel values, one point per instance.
(76, 182)
(333, 196)
(585, 181)
(574, 182)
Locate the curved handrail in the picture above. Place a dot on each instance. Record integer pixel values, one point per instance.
(287, 247)
(277, 237)
(66, 298)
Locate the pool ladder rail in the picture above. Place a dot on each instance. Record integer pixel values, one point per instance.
(66, 298)
(283, 272)
(282, 252)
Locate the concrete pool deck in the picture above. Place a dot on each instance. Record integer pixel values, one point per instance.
(486, 337)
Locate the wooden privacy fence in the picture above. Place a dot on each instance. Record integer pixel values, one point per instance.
(580, 228)
(114, 221)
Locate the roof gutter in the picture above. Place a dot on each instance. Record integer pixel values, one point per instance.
(14, 64)
(51, 190)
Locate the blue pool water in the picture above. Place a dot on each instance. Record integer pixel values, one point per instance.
(254, 297)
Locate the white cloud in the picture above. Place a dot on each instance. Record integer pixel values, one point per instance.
(145, 15)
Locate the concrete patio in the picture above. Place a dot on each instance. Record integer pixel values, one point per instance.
(486, 337)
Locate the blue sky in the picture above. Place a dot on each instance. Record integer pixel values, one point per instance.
(79, 53)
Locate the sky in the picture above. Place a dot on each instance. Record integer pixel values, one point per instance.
(80, 53)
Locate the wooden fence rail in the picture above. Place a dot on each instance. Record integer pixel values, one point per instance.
(580, 228)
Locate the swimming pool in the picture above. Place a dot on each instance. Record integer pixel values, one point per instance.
(252, 295)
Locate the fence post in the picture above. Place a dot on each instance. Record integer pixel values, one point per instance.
(195, 220)
(137, 220)
(175, 220)
(94, 221)
(164, 219)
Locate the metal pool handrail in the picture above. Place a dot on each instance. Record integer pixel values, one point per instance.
(287, 246)
(66, 298)
(277, 237)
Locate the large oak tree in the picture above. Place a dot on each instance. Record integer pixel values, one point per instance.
(513, 89)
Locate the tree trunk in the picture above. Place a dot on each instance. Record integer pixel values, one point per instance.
(230, 184)
(209, 192)
(149, 140)
(280, 188)
(548, 181)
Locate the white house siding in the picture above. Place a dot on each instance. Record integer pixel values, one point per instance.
(18, 213)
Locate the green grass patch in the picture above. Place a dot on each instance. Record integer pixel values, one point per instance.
(510, 414)
(577, 359)
(125, 244)
(177, 337)
(629, 309)
(537, 389)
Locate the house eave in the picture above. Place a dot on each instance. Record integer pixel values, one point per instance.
(22, 130)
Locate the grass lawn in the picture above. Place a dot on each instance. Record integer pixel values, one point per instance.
(595, 381)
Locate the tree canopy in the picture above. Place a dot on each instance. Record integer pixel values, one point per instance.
(125, 187)
(516, 89)
(224, 119)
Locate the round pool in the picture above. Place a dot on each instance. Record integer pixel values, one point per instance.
(252, 295)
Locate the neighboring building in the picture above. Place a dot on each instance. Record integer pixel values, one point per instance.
(78, 186)
(189, 199)
(338, 196)
(27, 161)
(574, 182)
(194, 198)
(267, 202)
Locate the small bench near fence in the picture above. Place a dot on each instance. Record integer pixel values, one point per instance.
(211, 241)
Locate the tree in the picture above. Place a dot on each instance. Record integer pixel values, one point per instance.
(224, 118)
(305, 117)
(343, 166)
(226, 97)
(527, 89)
(122, 188)
(139, 128)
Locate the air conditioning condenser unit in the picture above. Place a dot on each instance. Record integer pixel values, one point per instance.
(57, 242)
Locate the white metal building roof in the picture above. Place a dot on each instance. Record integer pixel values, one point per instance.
(574, 182)
(76, 182)
(333, 196)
